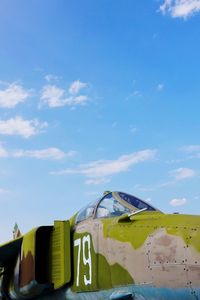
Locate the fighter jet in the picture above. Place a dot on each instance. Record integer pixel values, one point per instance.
(118, 247)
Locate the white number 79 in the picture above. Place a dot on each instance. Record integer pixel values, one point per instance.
(86, 259)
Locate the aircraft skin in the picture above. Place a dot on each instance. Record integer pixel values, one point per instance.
(112, 249)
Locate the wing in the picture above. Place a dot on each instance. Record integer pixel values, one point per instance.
(37, 262)
(9, 251)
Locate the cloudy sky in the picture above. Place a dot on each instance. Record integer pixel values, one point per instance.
(94, 96)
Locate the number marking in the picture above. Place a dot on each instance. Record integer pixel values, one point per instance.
(78, 243)
(86, 259)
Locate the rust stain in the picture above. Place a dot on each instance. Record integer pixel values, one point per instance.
(166, 257)
(27, 269)
(164, 241)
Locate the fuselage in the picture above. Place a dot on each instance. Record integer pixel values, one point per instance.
(118, 247)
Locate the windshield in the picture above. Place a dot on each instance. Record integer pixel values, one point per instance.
(86, 212)
(136, 202)
(113, 204)
(109, 206)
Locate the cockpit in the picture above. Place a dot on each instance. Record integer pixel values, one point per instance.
(113, 204)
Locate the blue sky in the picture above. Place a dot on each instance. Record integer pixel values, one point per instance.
(94, 96)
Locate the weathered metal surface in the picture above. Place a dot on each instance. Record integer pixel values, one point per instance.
(148, 255)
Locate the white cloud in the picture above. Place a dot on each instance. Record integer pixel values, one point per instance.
(50, 77)
(133, 129)
(13, 95)
(3, 191)
(54, 96)
(194, 150)
(3, 152)
(160, 87)
(78, 100)
(19, 126)
(52, 153)
(178, 202)
(191, 148)
(101, 169)
(137, 93)
(76, 86)
(96, 181)
(49, 153)
(182, 173)
(180, 8)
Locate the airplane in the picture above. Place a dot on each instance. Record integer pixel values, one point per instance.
(118, 247)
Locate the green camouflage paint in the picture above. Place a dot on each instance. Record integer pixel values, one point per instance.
(103, 275)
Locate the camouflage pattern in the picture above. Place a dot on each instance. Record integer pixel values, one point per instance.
(149, 255)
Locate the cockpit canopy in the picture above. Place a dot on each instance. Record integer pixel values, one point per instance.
(113, 204)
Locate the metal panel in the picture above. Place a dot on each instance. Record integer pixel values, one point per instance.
(167, 260)
(193, 247)
(166, 249)
(171, 276)
(60, 256)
